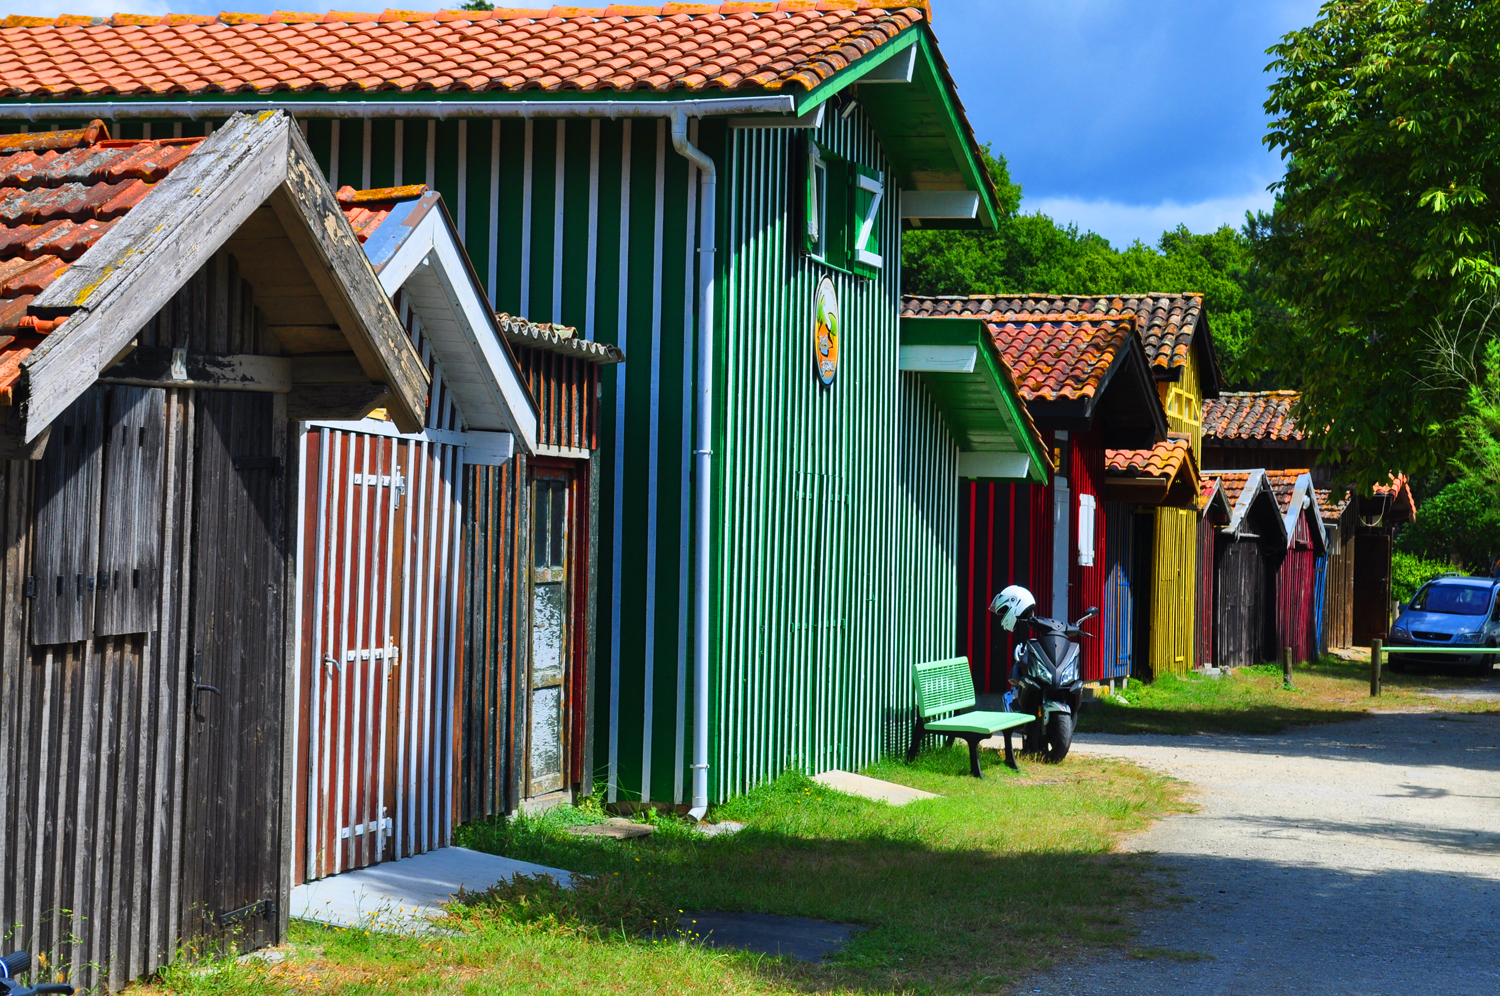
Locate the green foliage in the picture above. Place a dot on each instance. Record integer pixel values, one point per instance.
(1461, 520)
(1410, 572)
(1384, 113)
(476, 5)
(1031, 253)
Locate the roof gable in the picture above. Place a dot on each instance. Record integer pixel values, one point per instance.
(1295, 495)
(254, 173)
(1165, 474)
(413, 245)
(1254, 509)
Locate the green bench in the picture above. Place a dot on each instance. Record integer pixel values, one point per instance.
(945, 688)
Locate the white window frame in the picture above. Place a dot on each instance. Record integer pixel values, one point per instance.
(817, 178)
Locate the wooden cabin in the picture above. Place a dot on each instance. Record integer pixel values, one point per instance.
(1087, 384)
(172, 309)
(530, 662)
(1381, 513)
(1214, 514)
(1173, 331)
(1161, 482)
(1248, 554)
(1336, 571)
(1297, 580)
(382, 555)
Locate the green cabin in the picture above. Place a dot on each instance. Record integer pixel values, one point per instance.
(569, 144)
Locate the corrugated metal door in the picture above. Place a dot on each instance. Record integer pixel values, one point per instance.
(376, 669)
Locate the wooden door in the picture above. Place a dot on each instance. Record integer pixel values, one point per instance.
(232, 835)
(358, 511)
(551, 632)
(1372, 587)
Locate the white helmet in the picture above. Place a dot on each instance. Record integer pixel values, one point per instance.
(1011, 605)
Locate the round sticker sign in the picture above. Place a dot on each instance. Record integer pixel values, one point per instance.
(826, 332)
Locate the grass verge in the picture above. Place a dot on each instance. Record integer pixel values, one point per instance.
(963, 893)
(1253, 699)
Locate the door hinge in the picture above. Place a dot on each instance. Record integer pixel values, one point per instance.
(261, 907)
(31, 586)
(363, 828)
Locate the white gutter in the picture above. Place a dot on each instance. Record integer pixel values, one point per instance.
(193, 110)
(703, 458)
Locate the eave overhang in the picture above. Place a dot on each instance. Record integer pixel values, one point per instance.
(975, 392)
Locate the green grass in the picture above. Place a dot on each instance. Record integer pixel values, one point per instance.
(963, 894)
(1253, 699)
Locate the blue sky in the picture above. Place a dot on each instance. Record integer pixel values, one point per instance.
(1126, 117)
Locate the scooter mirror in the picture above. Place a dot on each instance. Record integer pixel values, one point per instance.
(1091, 613)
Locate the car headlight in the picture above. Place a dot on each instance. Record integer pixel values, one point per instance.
(1400, 633)
(1475, 637)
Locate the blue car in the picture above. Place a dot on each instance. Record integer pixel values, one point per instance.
(1450, 612)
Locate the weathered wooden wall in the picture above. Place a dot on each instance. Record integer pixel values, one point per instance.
(1296, 582)
(1371, 616)
(1240, 594)
(1207, 535)
(1118, 623)
(1338, 587)
(96, 871)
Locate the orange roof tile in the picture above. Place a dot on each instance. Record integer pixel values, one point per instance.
(1166, 321)
(1054, 357)
(1233, 483)
(59, 193)
(679, 46)
(1163, 460)
(1283, 483)
(1251, 415)
(366, 209)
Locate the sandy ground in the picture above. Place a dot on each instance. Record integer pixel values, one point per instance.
(1358, 858)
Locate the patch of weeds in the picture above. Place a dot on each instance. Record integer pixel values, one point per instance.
(597, 905)
(1170, 954)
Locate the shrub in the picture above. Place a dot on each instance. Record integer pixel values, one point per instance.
(1410, 572)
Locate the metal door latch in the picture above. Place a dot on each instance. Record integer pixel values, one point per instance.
(261, 907)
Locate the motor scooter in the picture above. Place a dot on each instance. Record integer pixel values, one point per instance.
(1045, 682)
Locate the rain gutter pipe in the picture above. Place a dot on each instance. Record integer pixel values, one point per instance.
(193, 110)
(702, 457)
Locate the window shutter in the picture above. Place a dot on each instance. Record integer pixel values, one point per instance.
(66, 537)
(869, 195)
(1085, 530)
(130, 536)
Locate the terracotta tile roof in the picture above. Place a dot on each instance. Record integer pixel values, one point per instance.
(59, 193)
(1283, 483)
(1162, 460)
(1233, 482)
(557, 339)
(795, 43)
(1053, 357)
(366, 209)
(1166, 321)
(1333, 509)
(1251, 415)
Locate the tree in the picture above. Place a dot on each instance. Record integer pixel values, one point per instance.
(1031, 253)
(1384, 114)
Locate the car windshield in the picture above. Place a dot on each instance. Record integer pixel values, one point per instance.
(1454, 599)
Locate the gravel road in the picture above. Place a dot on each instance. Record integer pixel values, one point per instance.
(1357, 858)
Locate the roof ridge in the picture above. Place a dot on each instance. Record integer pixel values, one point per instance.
(389, 15)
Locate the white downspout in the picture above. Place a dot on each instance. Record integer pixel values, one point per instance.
(703, 459)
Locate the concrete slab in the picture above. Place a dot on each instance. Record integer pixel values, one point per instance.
(870, 788)
(405, 896)
(779, 936)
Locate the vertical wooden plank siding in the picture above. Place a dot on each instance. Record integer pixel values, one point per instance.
(1241, 603)
(93, 734)
(1338, 592)
(1117, 625)
(1174, 599)
(1295, 584)
(1205, 607)
(1086, 583)
(994, 551)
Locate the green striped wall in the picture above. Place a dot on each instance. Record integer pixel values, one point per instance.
(834, 518)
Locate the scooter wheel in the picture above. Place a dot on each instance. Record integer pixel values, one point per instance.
(1059, 736)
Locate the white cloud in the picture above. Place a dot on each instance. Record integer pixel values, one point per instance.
(1124, 223)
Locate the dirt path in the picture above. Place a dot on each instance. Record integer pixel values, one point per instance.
(1359, 858)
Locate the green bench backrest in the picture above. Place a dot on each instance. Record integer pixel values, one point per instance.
(944, 686)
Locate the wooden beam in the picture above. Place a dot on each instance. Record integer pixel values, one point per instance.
(316, 225)
(336, 402)
(135, 268)
(159, 366)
